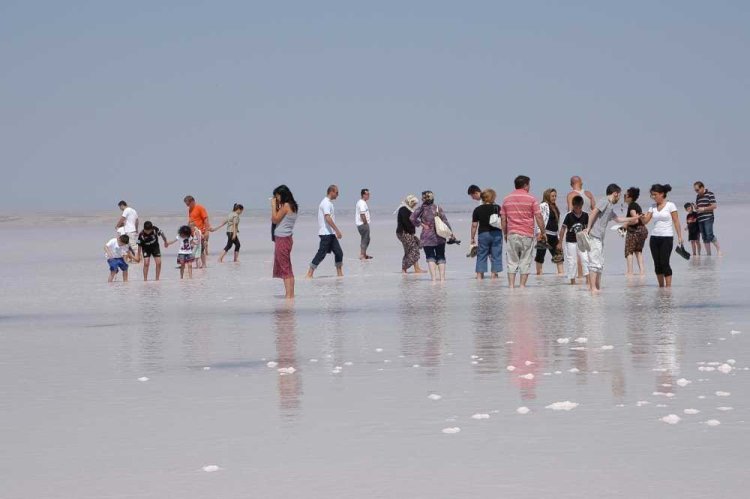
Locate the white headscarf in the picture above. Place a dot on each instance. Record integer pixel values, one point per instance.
(409, 202)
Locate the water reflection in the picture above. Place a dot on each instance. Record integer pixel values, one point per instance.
(289, 385)
(152, 335)
(488, 316)
(521, 320)
(423, 311)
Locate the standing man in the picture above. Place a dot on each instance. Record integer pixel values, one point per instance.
(128, 224)
(519, 212)
(329, 234)
(362, 219)
(474, 192)
(705, 202)
(199, 216)
(576, 186)
(599, 218)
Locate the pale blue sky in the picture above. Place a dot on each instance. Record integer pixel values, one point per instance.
(148, 101)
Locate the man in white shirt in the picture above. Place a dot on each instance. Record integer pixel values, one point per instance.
(329, 234)
(128, 224)
(362, 219)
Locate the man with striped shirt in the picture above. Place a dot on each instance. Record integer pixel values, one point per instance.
(705, 202)
(519, 212)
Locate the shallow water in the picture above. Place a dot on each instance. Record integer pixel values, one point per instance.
(75, 421)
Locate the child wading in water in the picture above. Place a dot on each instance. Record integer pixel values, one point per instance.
(116, 249)
(197, 238)
(185, 253)
(692, 228)
(233, 232)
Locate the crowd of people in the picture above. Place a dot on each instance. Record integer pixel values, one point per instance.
(527, 228)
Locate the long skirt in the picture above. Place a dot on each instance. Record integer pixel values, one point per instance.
(635, 239)
(411, 249)
(282, 257)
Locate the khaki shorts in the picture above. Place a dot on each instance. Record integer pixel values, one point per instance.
(596, 255)
(519, 250)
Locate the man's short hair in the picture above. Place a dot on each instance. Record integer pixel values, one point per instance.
(612, 188)
(331, 188)
(363, 192)
(189, 199)
(473, 189)
(577, 201)
(698, 184)
(574, 180)
(124, 239)
(122, 203)
(521, 181)
(147, 225)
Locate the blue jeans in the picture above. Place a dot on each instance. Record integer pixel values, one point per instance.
(490, 244)
(435, 254)
(706, 228)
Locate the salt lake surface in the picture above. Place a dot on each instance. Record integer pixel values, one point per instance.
(400, 387)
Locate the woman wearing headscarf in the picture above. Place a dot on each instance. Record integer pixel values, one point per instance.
(432, 243)
(406, 233)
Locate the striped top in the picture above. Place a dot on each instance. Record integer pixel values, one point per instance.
(703, 201)
(519, 208)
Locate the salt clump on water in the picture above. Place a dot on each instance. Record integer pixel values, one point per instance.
(722, 394)
(378, 349)
(528, 362)
(511, 368)
(272, 364)
(671, 419)
(733, 332)
(434, 396)
(563, 406)
(480, 416)
(206, 368)
(725, 368)
(450, 431)
(523, 410)
(313, 360)
(572, 370)
(144, 378)
(581, 340)
(724, 408)
(348, 363)
(731, 362)
(713, 422)
(527, 376)
(211, 468)
(683, 382)
(691, 411)
(607, 347)
(641, 403)
(286, 370)
(563, 341)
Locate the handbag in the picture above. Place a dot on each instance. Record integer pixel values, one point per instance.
(495, 219)
(441, 228)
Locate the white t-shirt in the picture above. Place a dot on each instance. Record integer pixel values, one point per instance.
(325, 208)
(185, 248)
(663, 225)
(117, 251)
(361, 209)
(131, 216)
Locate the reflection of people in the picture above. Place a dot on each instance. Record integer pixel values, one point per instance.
(284, 215)
(290, 385)
(329, 234)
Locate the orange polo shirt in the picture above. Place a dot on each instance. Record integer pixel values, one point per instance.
(199, 216)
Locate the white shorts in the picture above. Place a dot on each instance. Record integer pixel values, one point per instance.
(596, 255)
(520, 249)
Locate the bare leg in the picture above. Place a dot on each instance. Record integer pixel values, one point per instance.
(480, 276)
(538, 268)
(580, 267)
(236, 256)
(289, 287)
(660, 279)
(182, 270)
(310, 273)
(494, 276)
(124, 276)
(418, 269)
(340, 271)
(718, 250)
(146, 264)
(190, 270)
(708, 248)
(111, 276)
(511, 280)
(560, 270)
(441, 268)
(668, 281)
(157, 260)
(641, 266)
(524, 279)
(594, 281)
(629, 264)
(221, 257)
(432, 266)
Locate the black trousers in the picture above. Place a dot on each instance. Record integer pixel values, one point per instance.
(232, 242)
(328, 244)
(661, 250)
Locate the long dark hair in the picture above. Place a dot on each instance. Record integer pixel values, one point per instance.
(286, 196)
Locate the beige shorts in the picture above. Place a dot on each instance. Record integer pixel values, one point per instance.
(519, 252)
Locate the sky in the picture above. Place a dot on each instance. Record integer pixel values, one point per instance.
(150, 101)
